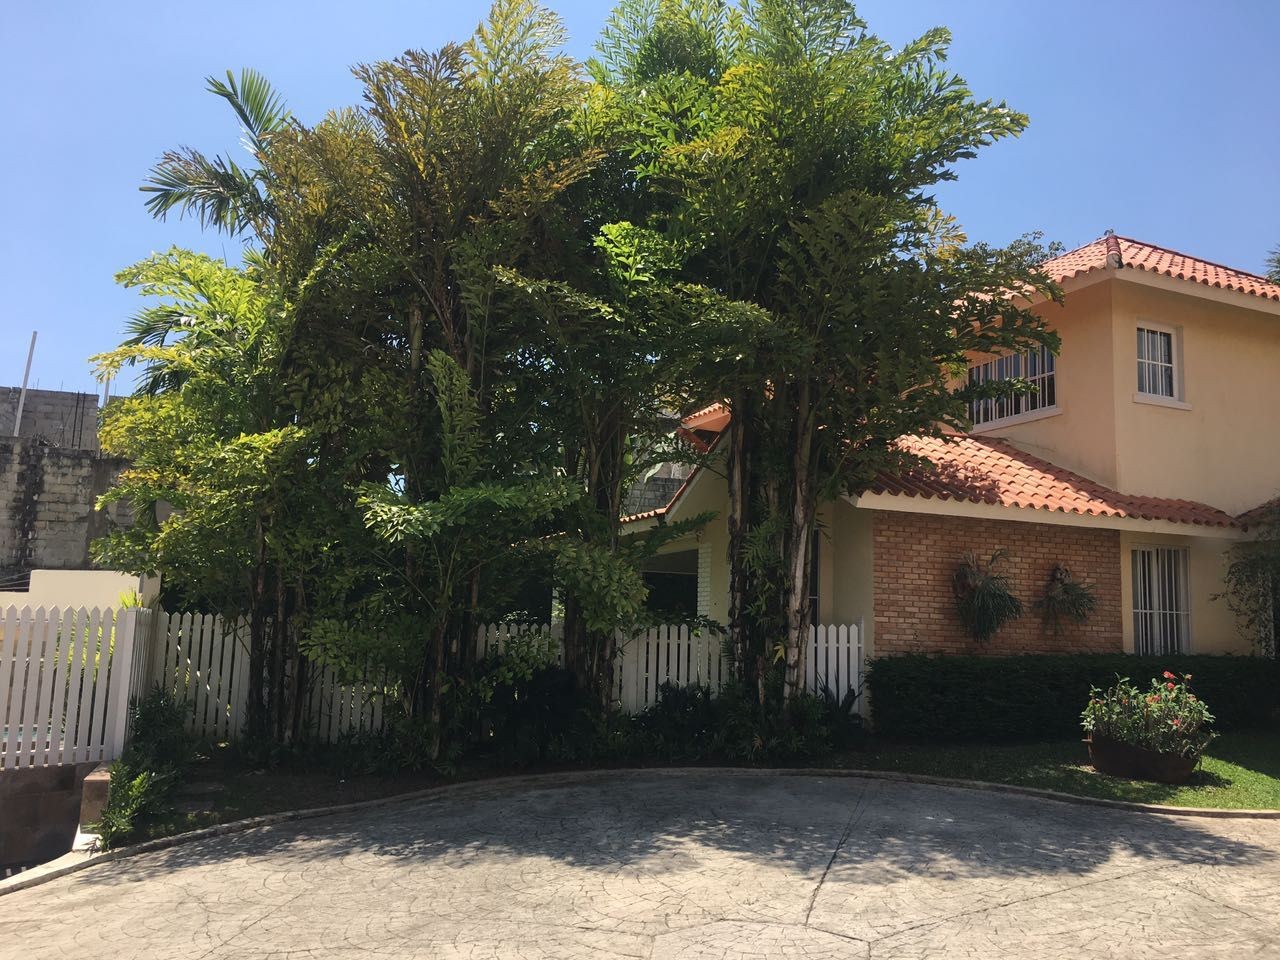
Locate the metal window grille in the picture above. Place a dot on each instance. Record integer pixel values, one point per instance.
(1155, 363)
(1038, 367)
(1161, 609)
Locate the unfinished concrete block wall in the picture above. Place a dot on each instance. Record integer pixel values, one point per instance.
(58, 418)
(47, 497)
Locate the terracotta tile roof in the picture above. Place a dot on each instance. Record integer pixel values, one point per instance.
(1260, 515)
(647, 515)
(1125, 253)
(992, 471)
(714, 417)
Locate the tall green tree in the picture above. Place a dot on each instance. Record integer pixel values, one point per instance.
(219, 482)
(797, 155)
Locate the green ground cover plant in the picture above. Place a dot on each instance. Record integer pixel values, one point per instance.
(145, 777)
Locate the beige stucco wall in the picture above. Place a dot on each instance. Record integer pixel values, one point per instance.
(1220, 445)
(847, 556)
(1213, 627)
(844, 563)
(1081, 435)
(1225, 449)
(80, 588)
(708, 494)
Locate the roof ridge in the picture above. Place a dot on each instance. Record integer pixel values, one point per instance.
(1262, 278)
(1191, 256)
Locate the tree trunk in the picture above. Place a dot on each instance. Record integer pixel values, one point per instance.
(738, 469)
(258, 644)
(590, 654)
(436, 713)
(280, 672)
(798, 544)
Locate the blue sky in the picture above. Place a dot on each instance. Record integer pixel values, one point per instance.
(1152, 118)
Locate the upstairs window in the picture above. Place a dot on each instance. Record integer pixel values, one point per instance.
(1157, 364)
(1036, 366)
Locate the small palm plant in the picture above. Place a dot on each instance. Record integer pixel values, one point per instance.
(984, 597)
(1066, 598)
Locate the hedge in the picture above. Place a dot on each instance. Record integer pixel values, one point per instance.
(1041, 696)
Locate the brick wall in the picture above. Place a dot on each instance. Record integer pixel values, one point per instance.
(916, 554)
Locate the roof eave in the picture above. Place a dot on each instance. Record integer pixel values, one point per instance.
(948, 506)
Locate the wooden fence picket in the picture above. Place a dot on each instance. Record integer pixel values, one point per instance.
(67, 675)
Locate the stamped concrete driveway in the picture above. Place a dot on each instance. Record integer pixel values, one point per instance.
(709, 864)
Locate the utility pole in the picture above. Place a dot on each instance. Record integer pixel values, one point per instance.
(26, 375)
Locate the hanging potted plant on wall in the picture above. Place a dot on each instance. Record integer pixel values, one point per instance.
(984, 597)
(1065, 598)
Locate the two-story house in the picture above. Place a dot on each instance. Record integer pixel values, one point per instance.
(1150, 436)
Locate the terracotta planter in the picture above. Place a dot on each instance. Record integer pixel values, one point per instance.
(1135, 763)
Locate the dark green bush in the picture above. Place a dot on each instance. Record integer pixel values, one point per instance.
(144, 778)
(541, 717)
(1040, 697)
(689, 724)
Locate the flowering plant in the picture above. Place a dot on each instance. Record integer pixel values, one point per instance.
(1168, 718)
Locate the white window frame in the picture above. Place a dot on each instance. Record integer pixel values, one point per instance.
(1176, 399)
(1160, 599)
(1002, 411)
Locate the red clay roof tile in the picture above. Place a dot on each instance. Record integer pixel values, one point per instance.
(992, 471)
(1136, 255)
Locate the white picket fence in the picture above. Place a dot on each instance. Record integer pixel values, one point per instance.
(676, 655)
(67, 675)
(65, 681)
(202, 660)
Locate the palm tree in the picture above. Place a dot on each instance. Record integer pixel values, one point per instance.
(221, 192)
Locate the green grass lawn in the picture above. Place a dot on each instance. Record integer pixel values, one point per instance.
(1240, 771)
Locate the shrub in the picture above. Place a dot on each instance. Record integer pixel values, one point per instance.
(1168, 718)
(143, 779)
(542, 716)
(1033, 697)
(984, 598)
(691, 724)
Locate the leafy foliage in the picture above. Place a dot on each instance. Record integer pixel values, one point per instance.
(792, 157)
(984, 597)
(1168, 718)
(1253, 581)
(1066, 599)
(479, 301)
(218, 191)
(144, 778)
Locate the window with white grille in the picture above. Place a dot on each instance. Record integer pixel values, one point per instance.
(1037, 366)
(1157, 363)
(1161, 609)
